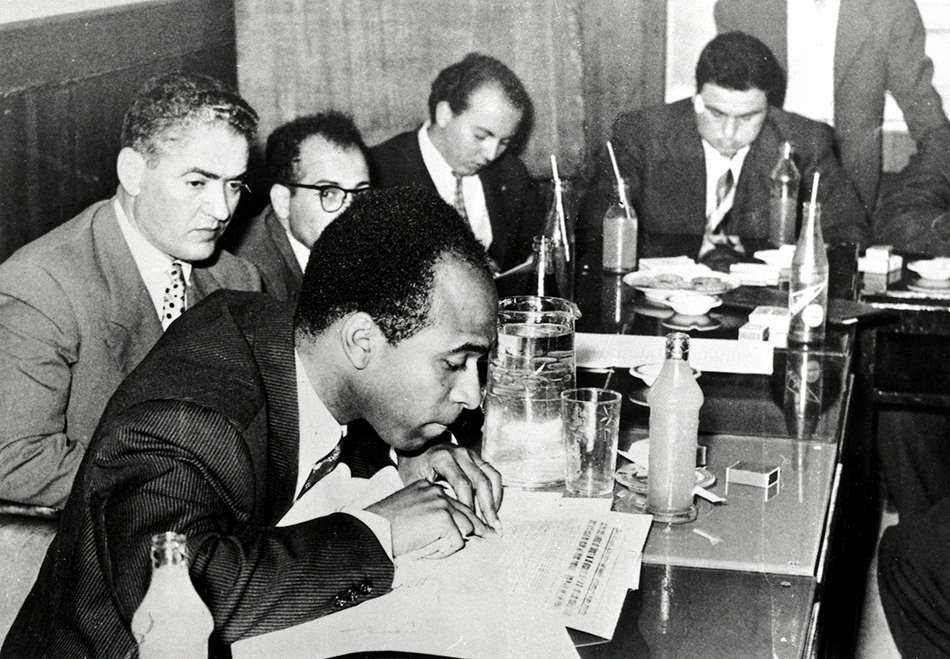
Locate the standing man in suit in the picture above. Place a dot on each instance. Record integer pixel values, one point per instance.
(82, 305)
(316, 165)
(478, 108)
(841, 57)
(221, 430)
(698, 169)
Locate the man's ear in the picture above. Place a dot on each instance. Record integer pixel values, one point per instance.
(699, 105)
(443, 114)
(280, 200)
(360, 339)
(130, 167)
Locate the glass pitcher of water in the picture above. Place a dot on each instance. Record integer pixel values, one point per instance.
(532, 363)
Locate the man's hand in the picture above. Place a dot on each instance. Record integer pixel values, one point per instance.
(472, 479)
(423, 513)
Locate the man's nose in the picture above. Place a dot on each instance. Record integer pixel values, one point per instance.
(467, 390)
(729, 127)
(491, 149)
(217, 202)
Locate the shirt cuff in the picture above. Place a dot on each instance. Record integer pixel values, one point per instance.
(380, 527)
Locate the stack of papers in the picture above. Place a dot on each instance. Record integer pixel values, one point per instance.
(559, 564)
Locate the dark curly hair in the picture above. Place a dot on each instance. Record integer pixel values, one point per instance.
(283, 145)
(455, 85)
(738, 61)
(379, 256)
(171, 103)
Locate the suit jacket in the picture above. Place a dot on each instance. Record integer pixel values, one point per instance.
(914, 215)
(660, 154)
(514, 206)
(202, 438)
(879, 46)
(264, 243)
(75, 319)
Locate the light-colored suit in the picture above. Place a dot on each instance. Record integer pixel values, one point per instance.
(879, 46)
(75, 319)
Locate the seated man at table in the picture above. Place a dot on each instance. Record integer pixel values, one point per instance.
(239, 410)
(478, 108)
(83, 304)
(914, 216)
(316, 164)
(698, 169)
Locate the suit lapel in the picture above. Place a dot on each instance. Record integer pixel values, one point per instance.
(278, 236)
(494, 198)
(683, 167)
(273, 351)
(133, 324)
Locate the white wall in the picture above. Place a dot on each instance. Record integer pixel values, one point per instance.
(12, 11)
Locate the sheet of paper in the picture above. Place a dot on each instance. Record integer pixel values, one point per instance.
(629, 350)
(509, 596)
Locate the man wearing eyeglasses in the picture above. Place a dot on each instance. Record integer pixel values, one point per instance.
(82, 305)
(316, 165)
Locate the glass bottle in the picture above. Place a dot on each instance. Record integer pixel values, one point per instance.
(808, 281)
(171, 620)
(544, 283)
(620, 233)
(783, 199)
(674, 399)
(558, 229)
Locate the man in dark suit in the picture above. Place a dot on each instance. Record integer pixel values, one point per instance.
(83, 304)
(477, 109)
(315, 165)
(878, 48)
(698, 169)
(214, 435)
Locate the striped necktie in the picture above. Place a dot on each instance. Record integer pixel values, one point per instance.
(716, 220)
(460, 198)
(322, 467)
(173, 304)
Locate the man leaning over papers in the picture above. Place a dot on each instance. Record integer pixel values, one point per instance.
(204, 438)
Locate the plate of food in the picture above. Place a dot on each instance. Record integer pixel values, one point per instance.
(660, 286)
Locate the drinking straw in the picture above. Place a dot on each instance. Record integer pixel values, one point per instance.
(562, 223)
(814, 197)
(613, 161)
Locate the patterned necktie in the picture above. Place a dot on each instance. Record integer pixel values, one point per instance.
(322, 467)
(717, 219)
(173, 303)
(460, 198)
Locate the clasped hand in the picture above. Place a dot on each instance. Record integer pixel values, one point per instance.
(425, 511)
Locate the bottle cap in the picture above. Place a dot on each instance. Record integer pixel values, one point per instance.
(677, 346)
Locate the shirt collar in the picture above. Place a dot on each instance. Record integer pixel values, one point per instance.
(319, 430)
(438, 167)
(301, 251)
(151, 262)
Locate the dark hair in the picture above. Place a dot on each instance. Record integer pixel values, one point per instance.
(455, 85)
(171, 103)
(738, 61)
(283, 145)
(379, 257)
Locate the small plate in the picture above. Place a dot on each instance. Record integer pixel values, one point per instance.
(648, 372)
(927, 285)
(691, 303)
(687, 323)
(937, 269)
(634, 477)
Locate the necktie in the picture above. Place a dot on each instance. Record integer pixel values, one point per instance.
(322, 467)
(460, 198)
(174, 301)
(717, 218)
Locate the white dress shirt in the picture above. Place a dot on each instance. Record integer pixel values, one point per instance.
(319, 434)
(812, 25)
(152, 263)
(445, 184)
(716, 166)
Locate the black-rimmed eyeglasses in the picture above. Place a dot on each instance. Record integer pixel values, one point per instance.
(332, 197)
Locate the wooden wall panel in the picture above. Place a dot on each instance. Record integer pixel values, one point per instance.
(65, 83)
(377, 58)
